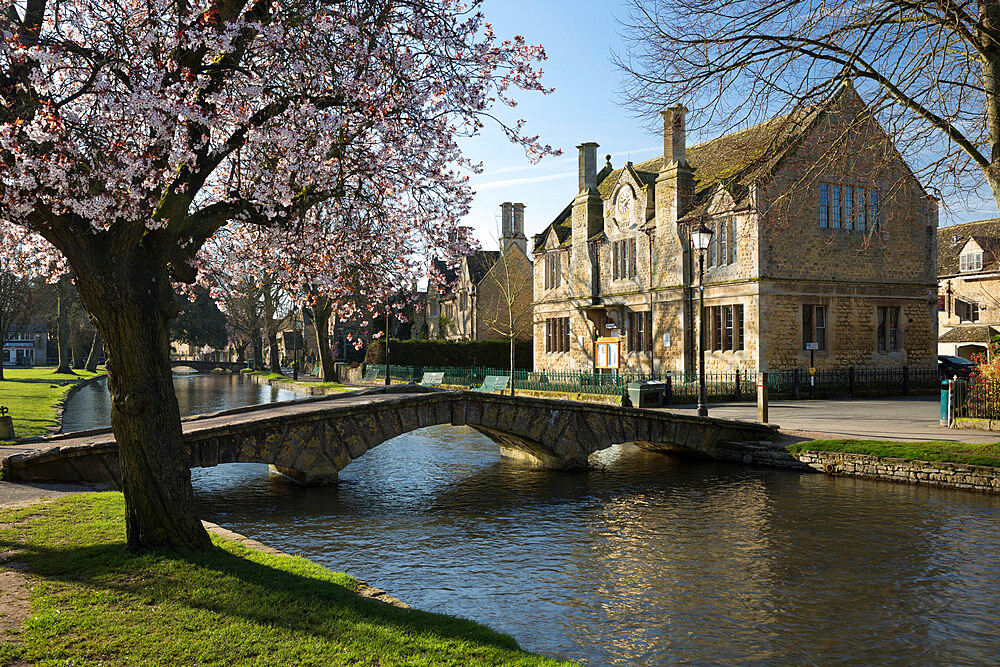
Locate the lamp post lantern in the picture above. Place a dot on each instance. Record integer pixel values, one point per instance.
(700, 238)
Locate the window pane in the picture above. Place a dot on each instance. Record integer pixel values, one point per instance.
(881, 329)
(859, 208)
(733, 231)
(848, 207)
(873, 206)
(824, 205)
(739, 326)
(821, 326)
(835, 206)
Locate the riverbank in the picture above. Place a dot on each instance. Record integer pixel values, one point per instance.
(89, 602)
(309, 387)
(36, 397)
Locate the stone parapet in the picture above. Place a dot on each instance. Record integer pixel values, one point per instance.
(983, 479)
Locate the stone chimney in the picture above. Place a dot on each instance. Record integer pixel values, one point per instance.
(513, 227)
(506, 219)
(588, 166)
(673, 134)
(518, 228)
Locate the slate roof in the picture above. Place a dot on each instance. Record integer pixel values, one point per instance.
(734, 161)
(968, 333)
(441, 268)
(987, 235)
(480, 263)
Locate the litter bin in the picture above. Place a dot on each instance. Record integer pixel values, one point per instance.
(646, 394)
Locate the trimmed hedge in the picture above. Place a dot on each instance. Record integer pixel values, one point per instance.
(445, 353)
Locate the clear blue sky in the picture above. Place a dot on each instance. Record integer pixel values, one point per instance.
(578, 38)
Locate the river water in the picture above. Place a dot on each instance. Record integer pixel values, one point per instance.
(648, 559)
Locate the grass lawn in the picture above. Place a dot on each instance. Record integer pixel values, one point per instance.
(93, 604)
(32, 400)
(288, 378)
(955, 452)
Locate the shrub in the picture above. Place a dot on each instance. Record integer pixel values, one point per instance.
(452, 354)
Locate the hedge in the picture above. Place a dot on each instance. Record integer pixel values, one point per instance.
(444, 353)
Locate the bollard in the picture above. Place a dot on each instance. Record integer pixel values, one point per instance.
(945, 403)
(668, 392)
(736, 394)
(795, 385)
(850, 381)
(762, 397)
(6, 424)
(906, 380)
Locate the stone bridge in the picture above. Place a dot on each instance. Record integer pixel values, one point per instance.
(312, 439)
(206, 366)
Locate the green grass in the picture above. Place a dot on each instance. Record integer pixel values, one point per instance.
(954, 452)
(286, 378)
(93, 604)
(32, 401)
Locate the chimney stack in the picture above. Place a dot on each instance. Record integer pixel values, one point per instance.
(673, 134)
(506, 219)
(588, 166)
(518, 228)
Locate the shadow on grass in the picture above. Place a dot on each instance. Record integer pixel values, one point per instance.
(305, 601)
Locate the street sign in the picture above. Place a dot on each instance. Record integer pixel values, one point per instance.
(812, 346)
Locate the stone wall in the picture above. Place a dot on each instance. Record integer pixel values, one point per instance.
(929, 473)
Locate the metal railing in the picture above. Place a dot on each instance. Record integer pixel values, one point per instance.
(735, 385)
(977, 398)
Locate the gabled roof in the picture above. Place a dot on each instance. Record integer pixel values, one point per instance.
(735, 161)
(447, 275)
(562, 226)
(952, 240)
(480, 263)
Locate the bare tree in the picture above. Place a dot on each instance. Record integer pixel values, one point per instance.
(504, 299)
(15, 306)
(927, 70)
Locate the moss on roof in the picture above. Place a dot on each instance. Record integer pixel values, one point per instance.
(968, 333)
(987, 235)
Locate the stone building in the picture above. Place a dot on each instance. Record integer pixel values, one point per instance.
(25, 345)
(489, 295)
(841, 256)
(968, 287)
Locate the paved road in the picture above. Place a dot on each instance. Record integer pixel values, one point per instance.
(910, 418)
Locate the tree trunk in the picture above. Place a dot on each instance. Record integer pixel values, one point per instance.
(274, 352)
(79, 360)
(321, 323)
(512, 364)
(95, 352)
(132, 302)
(258, 352)
(61, 326)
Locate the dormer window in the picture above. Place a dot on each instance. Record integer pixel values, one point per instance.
(971, 261)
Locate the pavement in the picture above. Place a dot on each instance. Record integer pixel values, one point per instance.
(903, 418)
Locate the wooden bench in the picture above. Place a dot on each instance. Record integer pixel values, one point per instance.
(433, 379)
(493, 383)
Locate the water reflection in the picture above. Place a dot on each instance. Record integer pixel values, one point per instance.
(197, 393)
(651, 560)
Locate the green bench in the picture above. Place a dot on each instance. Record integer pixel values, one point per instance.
(493, 383)
(433, 379)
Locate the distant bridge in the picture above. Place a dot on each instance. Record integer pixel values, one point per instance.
(207, 366)
(313, 439)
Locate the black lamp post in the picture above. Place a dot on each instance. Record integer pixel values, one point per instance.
(387, 342)
(700, 238)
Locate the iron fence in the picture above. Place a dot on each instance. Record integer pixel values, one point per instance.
(978, 398)
(735, 385)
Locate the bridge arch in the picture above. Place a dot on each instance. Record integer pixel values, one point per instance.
(313, 439)
(550, 433)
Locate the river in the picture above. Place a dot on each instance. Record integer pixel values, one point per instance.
(647, 559)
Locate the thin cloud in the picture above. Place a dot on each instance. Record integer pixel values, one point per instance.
(493, 185)
(565, 160)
